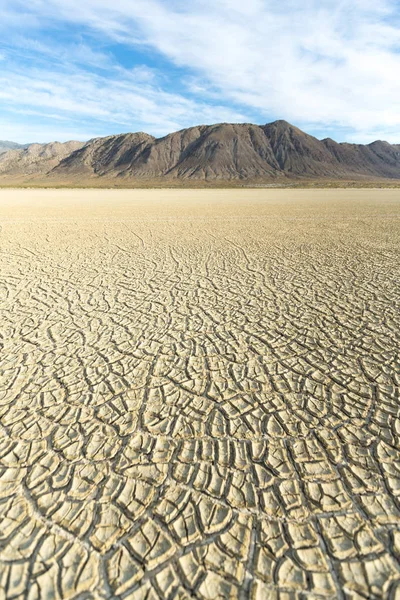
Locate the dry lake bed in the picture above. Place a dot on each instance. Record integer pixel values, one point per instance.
(199, 394)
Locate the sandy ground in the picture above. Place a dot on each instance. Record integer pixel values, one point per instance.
(199, 394)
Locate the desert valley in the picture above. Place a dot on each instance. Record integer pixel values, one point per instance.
(199, 394)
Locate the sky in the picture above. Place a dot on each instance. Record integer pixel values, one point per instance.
(78, 69)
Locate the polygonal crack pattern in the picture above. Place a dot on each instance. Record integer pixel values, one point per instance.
(201, 402)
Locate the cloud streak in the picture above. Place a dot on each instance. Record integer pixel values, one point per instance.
(126, 101)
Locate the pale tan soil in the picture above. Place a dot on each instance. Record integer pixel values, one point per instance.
(199, 394)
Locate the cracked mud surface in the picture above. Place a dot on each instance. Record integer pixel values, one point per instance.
(199, 395)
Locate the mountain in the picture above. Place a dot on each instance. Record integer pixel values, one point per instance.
(224, 152)
(6, 146)
(35, 159)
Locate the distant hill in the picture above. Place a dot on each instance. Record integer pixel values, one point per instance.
(5, 146)
(222, 152)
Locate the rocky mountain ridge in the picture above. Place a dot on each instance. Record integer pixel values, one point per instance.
(222, 152)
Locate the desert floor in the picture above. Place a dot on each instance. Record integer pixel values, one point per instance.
(199, 394)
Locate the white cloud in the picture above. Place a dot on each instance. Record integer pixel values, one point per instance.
(54, 52)
(316, 62)
(126, 101)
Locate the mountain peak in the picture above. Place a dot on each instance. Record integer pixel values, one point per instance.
(280, 123)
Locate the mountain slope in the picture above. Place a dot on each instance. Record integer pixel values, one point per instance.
(35, 160)
(105, 156)
(222, 152)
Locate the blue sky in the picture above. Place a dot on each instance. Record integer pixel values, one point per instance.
(77, 69)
